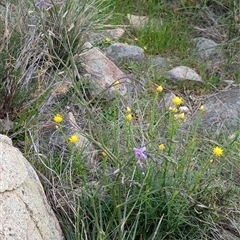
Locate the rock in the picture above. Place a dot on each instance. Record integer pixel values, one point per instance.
(166, 101)
(141, 21)
(184, 109)
(207, 49)
(222, 111)
(183, 73)
(103, 73)
(6, 125)
(118, 52)
(211, 53)
(86, 46)
(25, 213)
(137, 21)
(58, 92)
(157, 63)
(113, 34)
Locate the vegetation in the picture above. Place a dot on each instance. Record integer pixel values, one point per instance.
(140, 171)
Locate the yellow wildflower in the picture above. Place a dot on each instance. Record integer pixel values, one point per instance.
(218, 151)
(173, 109)
(128, 109)
(161, 146)
(135, 39)
(116, 83)
(211, 161)
(145, 48)
(58, 118)
(73, 139)
(129, 117)
(159, 88)
(201, 108)
(181, 116)
(177, 101)
(107, 39)
(104, 154)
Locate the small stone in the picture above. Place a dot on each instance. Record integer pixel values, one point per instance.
(113, 34)
(166, 101)
(183, 73)
(137, 21)
(86, 46)
(118, 52)
(6, 125)
(184, 109)
(141, 21)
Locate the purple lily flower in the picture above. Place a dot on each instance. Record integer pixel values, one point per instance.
(139, 153)
(40, 3)
(43, 3)
(46, 4)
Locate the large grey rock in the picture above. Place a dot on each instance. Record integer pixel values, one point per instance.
(222, 111)
(103, 73)
(183, 73)
(25, 212)
(118, 52)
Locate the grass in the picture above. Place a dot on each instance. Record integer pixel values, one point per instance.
(97, 187)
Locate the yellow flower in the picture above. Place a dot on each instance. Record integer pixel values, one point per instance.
(181, 116)
(201, 108)
(73, 139)
(211, 161)
(128, 109)
(126, 43)
(58, 118)
(218, 151)
(135, 39)
(173, 109)
(129, 117)
(177, 101)
(159, 88)
(145, 48)
(104, 154)
(161, 146)
(107, 39)
(116, 83)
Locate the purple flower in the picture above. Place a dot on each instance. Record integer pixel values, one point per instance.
(46, 4)
(40, 3)
(139, 153)
(43, 3)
